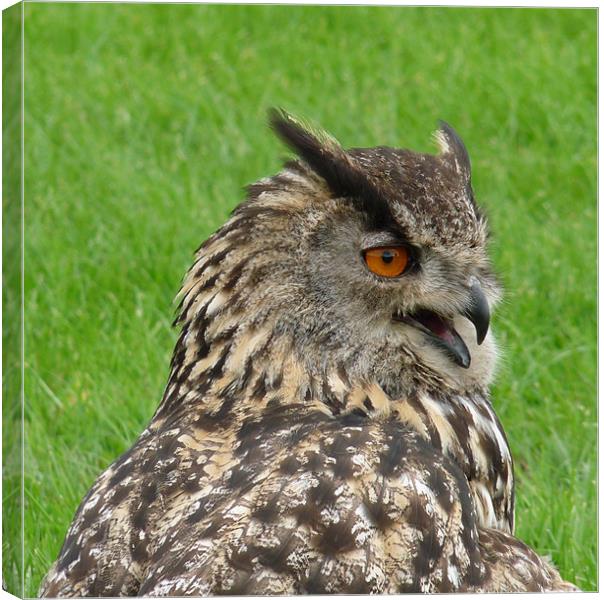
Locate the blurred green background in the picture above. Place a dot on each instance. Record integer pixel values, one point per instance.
(144, 122)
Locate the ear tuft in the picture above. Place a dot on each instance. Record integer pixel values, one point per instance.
(301, 136)
(326, 157)
(316, 147)
(321, 152)
(453, 150)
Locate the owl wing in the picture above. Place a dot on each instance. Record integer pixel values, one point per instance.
(295, 501)
(317, 504)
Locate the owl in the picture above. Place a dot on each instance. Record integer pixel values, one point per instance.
(327, 425)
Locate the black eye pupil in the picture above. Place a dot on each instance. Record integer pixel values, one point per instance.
(387, 256)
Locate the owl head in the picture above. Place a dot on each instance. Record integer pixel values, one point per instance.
(368, 262)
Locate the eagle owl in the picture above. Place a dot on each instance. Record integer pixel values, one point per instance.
(326, 426)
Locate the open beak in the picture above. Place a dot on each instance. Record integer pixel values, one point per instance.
(440, 330)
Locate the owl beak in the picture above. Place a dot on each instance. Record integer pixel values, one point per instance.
(440, 329)
(478, 311)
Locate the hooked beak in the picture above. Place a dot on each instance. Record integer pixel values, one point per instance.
(440, 330)
(478, 311)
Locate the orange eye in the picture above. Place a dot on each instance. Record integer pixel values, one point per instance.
(387, 261)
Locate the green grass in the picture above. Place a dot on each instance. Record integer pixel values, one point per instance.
(143, 123)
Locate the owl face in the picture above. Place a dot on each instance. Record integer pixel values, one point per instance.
(372, 260)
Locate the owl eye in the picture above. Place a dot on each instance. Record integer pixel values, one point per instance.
(387, 261)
